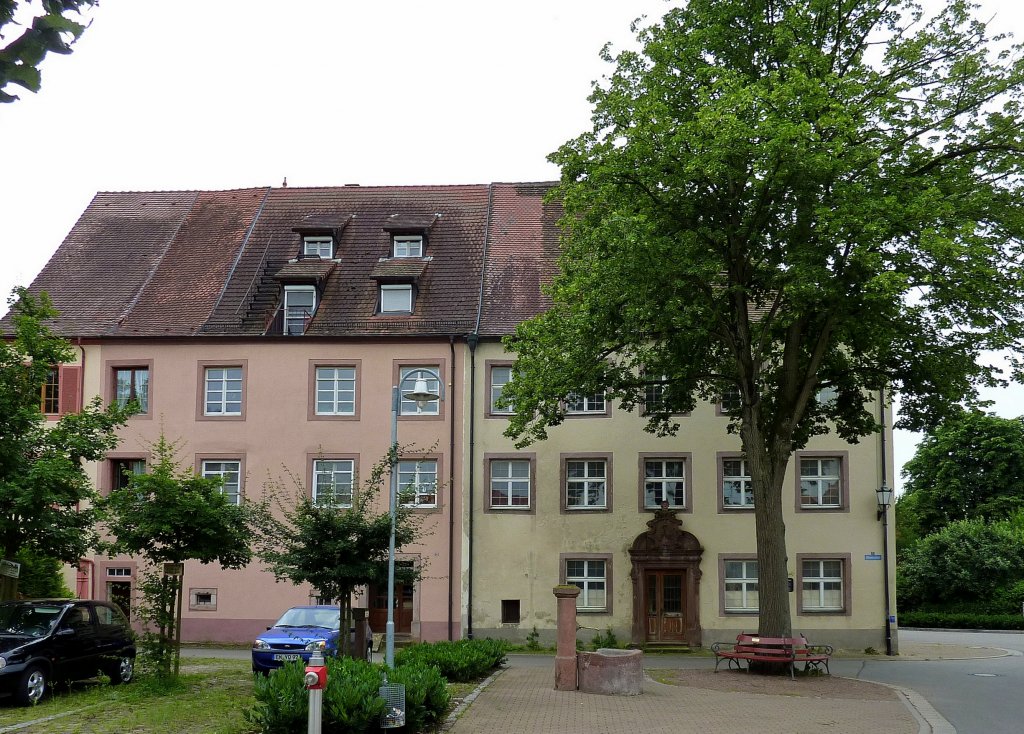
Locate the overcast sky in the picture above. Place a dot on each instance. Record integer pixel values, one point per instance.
(212, 94)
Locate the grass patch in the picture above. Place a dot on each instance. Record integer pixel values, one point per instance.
(208, 698)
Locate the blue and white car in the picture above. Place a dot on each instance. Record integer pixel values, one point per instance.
(297, 634)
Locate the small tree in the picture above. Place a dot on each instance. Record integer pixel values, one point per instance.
(335, 548)
(168, 515)
(45, 496)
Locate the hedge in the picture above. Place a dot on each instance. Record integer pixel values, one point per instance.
(954, 620)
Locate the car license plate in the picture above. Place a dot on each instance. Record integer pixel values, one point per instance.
(286, 656)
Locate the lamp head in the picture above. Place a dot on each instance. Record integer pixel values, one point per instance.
(421, 394)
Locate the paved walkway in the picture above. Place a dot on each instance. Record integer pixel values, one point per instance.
(522, 698)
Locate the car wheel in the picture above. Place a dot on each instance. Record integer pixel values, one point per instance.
(122, 671)
(32, 686)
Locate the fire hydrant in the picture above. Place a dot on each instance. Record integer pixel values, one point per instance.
(315, 680)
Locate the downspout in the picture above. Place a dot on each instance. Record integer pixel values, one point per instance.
(885, 528)
(451, 488)
(472, 340)
(81, 398)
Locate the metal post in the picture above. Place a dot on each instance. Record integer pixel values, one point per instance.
(314, 722)
(885, 565)
(389, 630)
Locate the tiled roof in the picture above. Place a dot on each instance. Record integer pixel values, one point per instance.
(311, 269)
(212, 263)
(522, 256)
(399, 268)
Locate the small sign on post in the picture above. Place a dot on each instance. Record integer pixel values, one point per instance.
(174, 569)
(10, 568)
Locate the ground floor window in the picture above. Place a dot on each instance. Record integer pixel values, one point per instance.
(741, 591)
(824, 585)
(591, 577)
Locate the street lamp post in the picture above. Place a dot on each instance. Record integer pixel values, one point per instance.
(422, 395)
(884, 501)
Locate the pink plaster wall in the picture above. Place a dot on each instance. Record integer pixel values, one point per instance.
(277, 432)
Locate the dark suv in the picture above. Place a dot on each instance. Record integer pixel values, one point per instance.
(61, 639)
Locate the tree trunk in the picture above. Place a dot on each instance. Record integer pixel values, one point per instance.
(767, 472)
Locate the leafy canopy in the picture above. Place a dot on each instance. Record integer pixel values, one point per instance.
(783, 196)
(335, 549)
(170, 515)
(970, 467)
(53, 31)
(45, 496)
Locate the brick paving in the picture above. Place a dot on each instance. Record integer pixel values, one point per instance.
(523, 699)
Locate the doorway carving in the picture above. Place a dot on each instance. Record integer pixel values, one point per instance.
(666, 582)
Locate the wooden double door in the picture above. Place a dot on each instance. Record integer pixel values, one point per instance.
(403, 608)
(664, 605)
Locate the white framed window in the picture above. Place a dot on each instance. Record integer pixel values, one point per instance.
(230, 474)
(118, 571)
(731, 401)
(396, 298)
(318, 246)
(299, 307)
(410, 407)
(335, 390)
(741, 590)
(820, 481)
(417, 483)
(132, 383)
(737, 489)
(577, 404)
(586, 484)
(333, 482)
(590, 576)
(821, 585)
(510, 483)
(501, 375)
(223, 391)
(664, 481)
(408, 245)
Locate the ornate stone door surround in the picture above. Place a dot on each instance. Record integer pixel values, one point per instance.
(665, 546)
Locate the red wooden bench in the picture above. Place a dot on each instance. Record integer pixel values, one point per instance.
(785, 650)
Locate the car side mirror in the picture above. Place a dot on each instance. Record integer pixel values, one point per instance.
(65, 631)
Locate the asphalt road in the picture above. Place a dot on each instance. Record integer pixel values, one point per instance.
(977, 696)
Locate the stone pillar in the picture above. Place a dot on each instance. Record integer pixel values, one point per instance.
(565, 653)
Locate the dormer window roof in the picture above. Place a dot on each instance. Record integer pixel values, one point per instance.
(320, 234)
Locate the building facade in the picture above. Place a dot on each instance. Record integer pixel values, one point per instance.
(263, 330)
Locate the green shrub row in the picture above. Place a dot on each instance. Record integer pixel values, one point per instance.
(961, 620)
(460, 661)
(351, 701)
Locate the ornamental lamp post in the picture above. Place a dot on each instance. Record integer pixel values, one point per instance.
(422, 395)
(885, 494)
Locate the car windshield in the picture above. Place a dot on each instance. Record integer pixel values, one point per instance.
(30, 620)
(326, 617)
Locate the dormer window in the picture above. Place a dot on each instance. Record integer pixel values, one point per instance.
(321, 246)
(396, 298)
(299, 306)
(407, 245)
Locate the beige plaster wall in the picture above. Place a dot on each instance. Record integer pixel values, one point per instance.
(277, 436)
(516, 555)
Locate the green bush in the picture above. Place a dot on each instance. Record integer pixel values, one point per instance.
(460, 661)
(961, 620)
(426, 694)
(605, 640)
(351, 701)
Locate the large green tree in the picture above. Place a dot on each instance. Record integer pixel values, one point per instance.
(45, 495)
(969, 467)
(168, 515)
(54, 30)
(778, 197)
